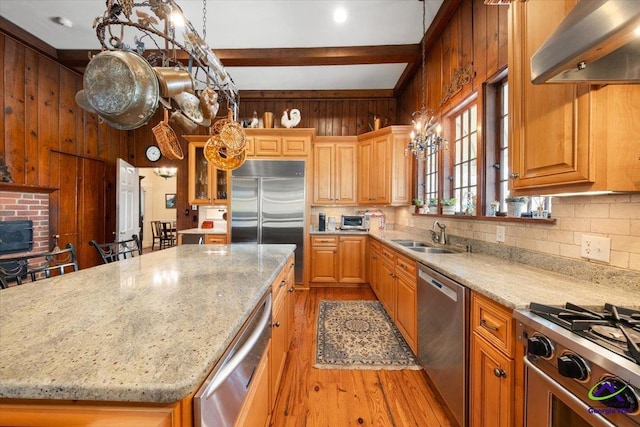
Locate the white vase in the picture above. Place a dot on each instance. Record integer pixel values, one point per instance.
(515, 209)
(433, 209)
(448, 210)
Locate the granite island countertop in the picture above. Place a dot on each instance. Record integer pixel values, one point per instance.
(512, 284)
(146, 329)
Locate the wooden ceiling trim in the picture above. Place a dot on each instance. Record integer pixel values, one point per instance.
(315, 94)
(12, 30)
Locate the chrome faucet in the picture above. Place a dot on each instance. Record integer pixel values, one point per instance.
(439, 237)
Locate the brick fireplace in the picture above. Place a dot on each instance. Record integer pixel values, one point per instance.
(34, 206)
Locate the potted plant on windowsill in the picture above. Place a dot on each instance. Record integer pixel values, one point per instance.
(448, 206)
(516, 205)
(418, 205)
(433, 206)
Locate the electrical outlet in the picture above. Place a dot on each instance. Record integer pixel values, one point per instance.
(596, 248)
(500, 234)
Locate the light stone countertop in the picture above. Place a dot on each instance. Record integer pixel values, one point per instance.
(203, 231)
(511, 284)
(146, 329)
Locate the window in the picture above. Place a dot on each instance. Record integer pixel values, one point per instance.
(465, 166)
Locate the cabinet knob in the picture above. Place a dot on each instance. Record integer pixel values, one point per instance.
(277, 324)
(499, 373)
(283, 283)
(514, 175)
(291, 289)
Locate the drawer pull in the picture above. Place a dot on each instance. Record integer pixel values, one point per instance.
(291, 289)
(277, 324)
(488, 326)
(499, 373)
(282, 283)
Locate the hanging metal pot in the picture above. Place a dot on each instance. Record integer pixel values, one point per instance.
(173, 81)
(122, 88)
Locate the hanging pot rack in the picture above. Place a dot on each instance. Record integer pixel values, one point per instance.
(203, 64)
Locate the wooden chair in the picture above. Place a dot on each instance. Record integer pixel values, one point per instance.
(156, 230)
(37, 265)
(168, 236)
(118, 250)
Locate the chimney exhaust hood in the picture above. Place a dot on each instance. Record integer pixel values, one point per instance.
(597, 42)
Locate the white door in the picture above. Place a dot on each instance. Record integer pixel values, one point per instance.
(128, 201)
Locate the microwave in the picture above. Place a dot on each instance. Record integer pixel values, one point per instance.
(354, 222)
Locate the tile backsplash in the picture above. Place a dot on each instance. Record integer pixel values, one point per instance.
(614, 216)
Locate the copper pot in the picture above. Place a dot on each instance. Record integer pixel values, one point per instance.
(122, 88)
(173, 81)
(178, 119)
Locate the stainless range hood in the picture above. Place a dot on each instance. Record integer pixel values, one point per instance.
(597, 42)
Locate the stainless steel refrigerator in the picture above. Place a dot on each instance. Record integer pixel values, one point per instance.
(267, 205)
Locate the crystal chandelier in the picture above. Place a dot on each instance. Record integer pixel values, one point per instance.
(425, 136)
(165, 172)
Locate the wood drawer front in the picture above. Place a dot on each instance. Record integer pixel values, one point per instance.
(388, 254)
(405, 265)
(295, 147)
(493, 322)
(324, 241)
(375, 245)
(280, 285)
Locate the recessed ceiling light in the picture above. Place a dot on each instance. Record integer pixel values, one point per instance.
(60, 20)
(340, 15)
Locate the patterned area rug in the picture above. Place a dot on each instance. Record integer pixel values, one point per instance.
(360, 335)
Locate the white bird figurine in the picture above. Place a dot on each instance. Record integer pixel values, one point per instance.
(291, 119)
(254, 120)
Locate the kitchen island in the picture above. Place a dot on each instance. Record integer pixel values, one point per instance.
(147, 329)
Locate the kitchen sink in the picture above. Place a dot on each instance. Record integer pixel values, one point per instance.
(432, 250)
(412, 243)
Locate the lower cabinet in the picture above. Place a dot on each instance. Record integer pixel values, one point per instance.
(338, 260)
(215, 239)
(393, 279)
(492, 373)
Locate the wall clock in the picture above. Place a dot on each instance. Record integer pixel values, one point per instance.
(153, 153)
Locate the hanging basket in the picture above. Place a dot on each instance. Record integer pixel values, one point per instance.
(167, 139)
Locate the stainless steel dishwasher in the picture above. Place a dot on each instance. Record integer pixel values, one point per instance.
(443, 337)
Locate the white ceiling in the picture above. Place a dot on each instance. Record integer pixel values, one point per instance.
(245, 24)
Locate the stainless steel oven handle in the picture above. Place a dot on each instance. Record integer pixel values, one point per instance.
(233, 363)
(560, 391)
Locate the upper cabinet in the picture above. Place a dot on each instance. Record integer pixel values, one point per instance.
(281, 142)
(566, 137)
(207, 185)
(384, 172)
(334, 171)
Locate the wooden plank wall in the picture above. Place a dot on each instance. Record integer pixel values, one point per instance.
(41, 119)
(477, 34)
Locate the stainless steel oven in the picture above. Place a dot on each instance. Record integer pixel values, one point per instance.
(576, 375)
(218, 401)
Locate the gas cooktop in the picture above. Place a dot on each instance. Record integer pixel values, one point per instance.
(614, 328)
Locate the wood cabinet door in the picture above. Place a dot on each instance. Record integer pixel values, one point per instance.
(295, 146)
(345, 170)
(374, 261)
(324, 264)
(365, 162)
(278, 344)
(491, 386)
(380, 170)
(199, 175)
(401, 171)
(551, 142)
(406, 310)
(268, 146)
(257, 404)
(352, 259)
(387, 285)
(291, 302)
(323, 174)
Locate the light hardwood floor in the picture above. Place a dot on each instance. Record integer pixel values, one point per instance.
(335, 398)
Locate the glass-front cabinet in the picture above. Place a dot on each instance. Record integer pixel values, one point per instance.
(207, 185)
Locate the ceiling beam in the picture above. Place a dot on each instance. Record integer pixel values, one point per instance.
(285, 57)
(316, 94)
